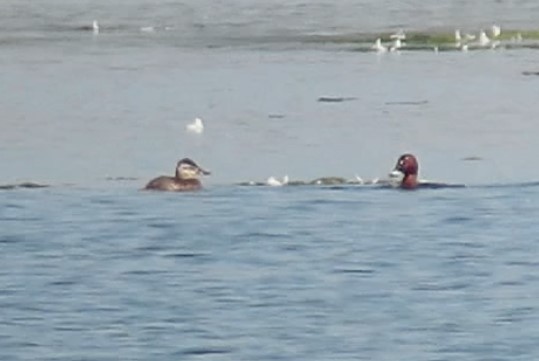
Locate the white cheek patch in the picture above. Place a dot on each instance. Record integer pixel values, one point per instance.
(188, 171)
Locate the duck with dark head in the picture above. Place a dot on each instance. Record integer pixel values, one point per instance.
(186, 178)
(408, 168)
(405, 175)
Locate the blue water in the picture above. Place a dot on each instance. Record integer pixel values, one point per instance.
(243, 273)
(92, 268)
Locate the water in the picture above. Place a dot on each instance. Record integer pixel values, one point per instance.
(264, 273)
(95, 269)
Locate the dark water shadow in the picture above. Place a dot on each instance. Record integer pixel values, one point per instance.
(418, 102)
(326, 99)
(26, 185)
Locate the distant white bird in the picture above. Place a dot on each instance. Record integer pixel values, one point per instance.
(496, 31)
(95, 27)
(147, 29)
(274, 182)
(469, 37)
(494, 44)
(483, 39)
(464, 47)
(285, 179)
(358, 179)
(196, 127)
(378, 46)
(458, 38)
(397, 44)
(399, 35)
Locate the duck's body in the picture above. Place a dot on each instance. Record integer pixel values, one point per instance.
(173, 184)
(186, 178)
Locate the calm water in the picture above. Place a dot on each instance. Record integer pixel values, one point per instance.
(94, 269)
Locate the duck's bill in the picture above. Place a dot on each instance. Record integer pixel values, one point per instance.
(395, 173)
(395, 178)
(203, 171)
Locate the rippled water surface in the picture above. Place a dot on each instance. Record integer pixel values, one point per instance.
(263, 273)
(95, 269)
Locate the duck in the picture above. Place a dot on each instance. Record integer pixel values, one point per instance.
(186, 178)
(405, 175)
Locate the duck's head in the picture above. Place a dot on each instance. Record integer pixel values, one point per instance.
(405, 172)
(188, 169)
(407, 165)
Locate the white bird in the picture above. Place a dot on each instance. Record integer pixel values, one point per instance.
(147, 29)
(400, 35)
(469, 37)
(196, 127)
(359, 180)
(496, 31)
(285, 179)
(378, 46)
(483, 39)
(397, 44)
(274, 182)
(95, 27)
(458, 38)
(464, 47)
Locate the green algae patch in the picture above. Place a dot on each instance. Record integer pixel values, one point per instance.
(439, 39)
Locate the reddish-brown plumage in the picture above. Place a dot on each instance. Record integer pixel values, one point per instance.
(408, 165)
